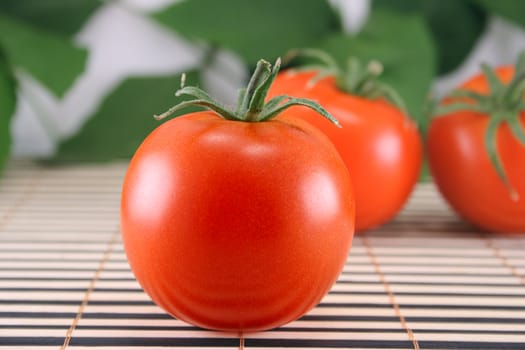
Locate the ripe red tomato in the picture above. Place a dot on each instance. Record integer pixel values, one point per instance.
(379, 144)
(463, 171)
(236, 225)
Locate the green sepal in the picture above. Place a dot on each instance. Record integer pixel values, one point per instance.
(495, 84)
(195, 92)
(491, 144)
(299, 102)
(517, 129)
(251, 105)
(443, 110)
(355, 79)
(492, 150)
(240, 99)
(201, 103)
(260, 93)
(276, 101)
(462, 93)
(520, 64)
(515, 89)
(262, 73)
(503, 103)
(391, 95)
(323, 57)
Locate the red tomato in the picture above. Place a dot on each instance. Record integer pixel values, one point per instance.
(463, 172)
(379, 144)
(234, 225)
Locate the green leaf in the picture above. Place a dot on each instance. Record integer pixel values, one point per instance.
(194, 92)
(403, 45)
(64, 17)
(455, 25)
(252, 29)
(124, 119)
(51, 59)
(7, 108)
(510, 9)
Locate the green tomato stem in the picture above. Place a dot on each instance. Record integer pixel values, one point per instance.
(252, 106)
(502, 104)
(357, 79)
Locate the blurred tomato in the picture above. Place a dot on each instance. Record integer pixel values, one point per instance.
(463, 169)
(379, 144)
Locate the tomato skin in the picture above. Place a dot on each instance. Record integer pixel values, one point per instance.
(462, 170)
(233, 225)
(380, 146)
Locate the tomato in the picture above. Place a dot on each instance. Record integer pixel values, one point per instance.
(379, 144)
(464, 172)
(236, 225)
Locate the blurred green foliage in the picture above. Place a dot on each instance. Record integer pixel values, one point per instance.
(253, 29)
(513, 10)
(124, 119)
(416, 40)
(50, 59)
(454, 26)
(36, 38)
(62, 17)
(7, 107)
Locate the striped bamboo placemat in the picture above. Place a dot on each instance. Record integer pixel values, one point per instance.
(424, 281)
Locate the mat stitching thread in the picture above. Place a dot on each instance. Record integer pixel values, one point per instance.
(91, 287)
(391, 295)
(22, 199)
(504, 260)
(241, 342)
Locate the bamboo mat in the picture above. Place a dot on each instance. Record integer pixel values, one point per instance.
(423, 281)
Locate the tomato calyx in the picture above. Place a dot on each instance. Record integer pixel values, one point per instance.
(502, 104)
(251, 105)
(356, 78)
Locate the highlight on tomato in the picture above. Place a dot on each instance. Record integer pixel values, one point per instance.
(237, 220)
(378, 142)
(476, 148)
